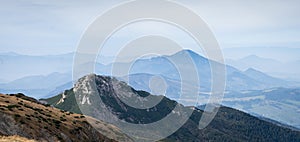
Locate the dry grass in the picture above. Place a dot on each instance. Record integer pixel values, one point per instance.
(28, 112)
(14, 138)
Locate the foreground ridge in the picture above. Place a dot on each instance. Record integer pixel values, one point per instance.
(26, 117)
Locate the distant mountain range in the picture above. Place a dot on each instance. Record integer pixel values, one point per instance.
(141, 71)
(287, 70)
(15, 66)
(40, 85)
(282, 54)
(11, 63)
(228, 125)
(253, 61)
(236, 80)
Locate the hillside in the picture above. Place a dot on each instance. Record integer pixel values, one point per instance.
(26, 117)
(228, 125)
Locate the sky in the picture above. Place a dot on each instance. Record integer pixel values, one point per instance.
(35, 27)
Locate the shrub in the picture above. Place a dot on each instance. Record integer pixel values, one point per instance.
(78, 128)
(19, 95)
(13, 106)
(59, 138)
(42, 113)
(37, 109)
(48, 115)
(63, 119)
(56, 121)
(46, 105)
(25, 105)
(45, 120)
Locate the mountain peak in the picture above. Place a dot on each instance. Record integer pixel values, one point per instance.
(252, 70)
(256, 58)
(189, 51)
(262, 77)
(253, 73)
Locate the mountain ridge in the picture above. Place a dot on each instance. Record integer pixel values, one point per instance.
(229, 124)
(27, 117)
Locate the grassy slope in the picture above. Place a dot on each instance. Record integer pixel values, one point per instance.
(30, 119)
(64, 106)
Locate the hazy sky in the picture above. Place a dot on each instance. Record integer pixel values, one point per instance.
(39, 27)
